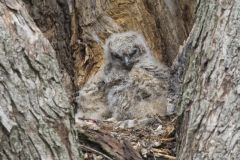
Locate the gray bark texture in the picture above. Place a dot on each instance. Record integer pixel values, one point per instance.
(35, 113)
(36, 116)
(209, 108)
(52, 17)
(37, 65)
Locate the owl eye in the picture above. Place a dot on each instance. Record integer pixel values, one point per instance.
(116, 56)
(134, 52)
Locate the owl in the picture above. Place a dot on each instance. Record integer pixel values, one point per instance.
(131, 84)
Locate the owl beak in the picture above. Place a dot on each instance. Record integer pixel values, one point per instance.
(126, 60)
(127, 63)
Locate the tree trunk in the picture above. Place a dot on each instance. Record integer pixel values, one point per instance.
(160, 21)
(53, 18)
(35, 113)
(209, 108)
(36, 116)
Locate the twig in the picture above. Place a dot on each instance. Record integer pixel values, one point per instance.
(93, 150)
(167, 139)
(174, 119)
(166, 156)
(157, 153)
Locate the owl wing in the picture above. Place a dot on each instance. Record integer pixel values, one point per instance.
(151, 88)
(162, 73)
(91, 100)
(120, 98)
(158, 71)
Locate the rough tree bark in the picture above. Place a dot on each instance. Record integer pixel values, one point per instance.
(35, 113)
(53, 18)
(210, 103)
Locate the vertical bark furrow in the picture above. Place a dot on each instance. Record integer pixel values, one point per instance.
(171, 30)
(53, 19)
(211, 85)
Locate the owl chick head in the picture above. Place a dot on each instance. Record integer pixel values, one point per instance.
(125, 49)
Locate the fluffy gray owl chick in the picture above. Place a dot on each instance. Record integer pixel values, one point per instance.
(131, 84)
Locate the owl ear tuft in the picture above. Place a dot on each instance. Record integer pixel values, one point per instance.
(107, 51)
(109, 44)
(107, 68)
(141, 49)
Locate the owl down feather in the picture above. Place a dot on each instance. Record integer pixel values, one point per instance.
(130, 85)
